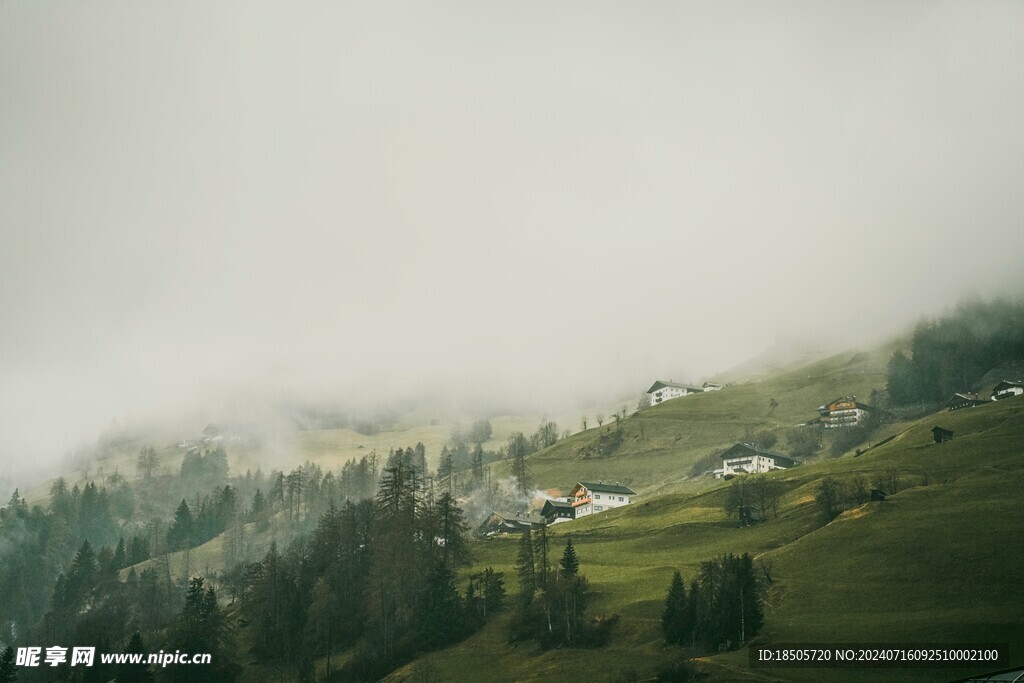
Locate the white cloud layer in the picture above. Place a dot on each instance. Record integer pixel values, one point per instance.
(562, 198)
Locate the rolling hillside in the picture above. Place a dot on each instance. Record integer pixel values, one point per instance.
(938, 561)
(660, 444)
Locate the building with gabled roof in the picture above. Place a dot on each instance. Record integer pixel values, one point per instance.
(588, 498)
(497, 524)
(1007, 389)
(555, 511)
(747, 458)
(845, 411)
(961, 400)
(662, 391)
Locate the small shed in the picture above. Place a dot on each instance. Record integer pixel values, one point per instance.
(750, 515)
(940, 434)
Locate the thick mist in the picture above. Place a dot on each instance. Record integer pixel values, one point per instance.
(506, 204)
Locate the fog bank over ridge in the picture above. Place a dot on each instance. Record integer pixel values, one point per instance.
(508, 206)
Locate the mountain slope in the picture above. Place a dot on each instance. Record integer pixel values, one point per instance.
(937, 561)
(659, 445)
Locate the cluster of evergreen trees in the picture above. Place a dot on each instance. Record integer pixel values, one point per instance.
(377, 576)
(722, 607)
(61, 567)
(37, 546)
(951, 354)
(552, 600)
(92, 606)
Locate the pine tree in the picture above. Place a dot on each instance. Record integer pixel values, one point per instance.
(517, 449)
(487, 589)
(451, 532)
(134, 673)
(689, 627)
(399, 540)
(201, 628)
(182, 528)
(673, 616)
(525, 568)
(570, 563)
(541, 548)
(446, 467)
(438, 608)
(82, 575)
(147, 463)
(420, 459)
(478, 466)
(120, 559)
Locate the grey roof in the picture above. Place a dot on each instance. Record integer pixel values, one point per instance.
(608, 488)
(558, 504)
(851, 399)
(959, 398)
(767, 452)
(660, 384)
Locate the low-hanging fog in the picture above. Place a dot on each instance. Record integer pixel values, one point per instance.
(534, 203)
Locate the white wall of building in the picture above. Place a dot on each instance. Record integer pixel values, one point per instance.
(749, 464)
(667, 393)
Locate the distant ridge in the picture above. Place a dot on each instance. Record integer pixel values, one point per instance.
(775, 359)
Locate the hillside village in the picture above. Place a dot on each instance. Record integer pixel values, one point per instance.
(739, 470)
(742, 458)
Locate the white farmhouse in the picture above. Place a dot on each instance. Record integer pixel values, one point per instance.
(664, 391)
(1007, 389)
(745, 458)
(589, 497)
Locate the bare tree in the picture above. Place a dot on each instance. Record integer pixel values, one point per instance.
(829, 497)
(859, 488)
(147, 463)
(766, 494)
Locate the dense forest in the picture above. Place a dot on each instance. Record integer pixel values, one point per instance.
(94, 565)
(953, 353)
(337, 576)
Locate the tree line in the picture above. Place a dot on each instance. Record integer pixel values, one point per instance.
(552, 600)
(952, 353)
(377, 577)
(722, 608)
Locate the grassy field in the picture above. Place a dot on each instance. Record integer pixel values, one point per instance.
(939, 561)
(661, 443)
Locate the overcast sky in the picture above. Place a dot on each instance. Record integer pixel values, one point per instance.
(554, 198)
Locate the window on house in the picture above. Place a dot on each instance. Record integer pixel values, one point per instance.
(620, 499)
(597, 497)
(598, 508)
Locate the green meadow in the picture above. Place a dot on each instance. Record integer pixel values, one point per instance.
(941, 560)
